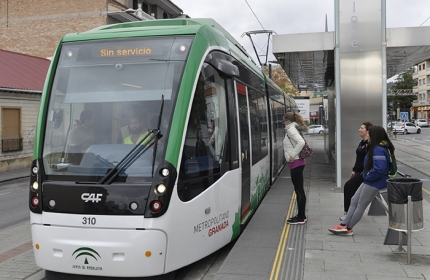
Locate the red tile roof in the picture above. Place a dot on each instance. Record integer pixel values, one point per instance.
(21, 71)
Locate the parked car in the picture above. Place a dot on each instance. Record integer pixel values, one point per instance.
(406, 128)
(422, 123)
(389, 123)
(316, 129)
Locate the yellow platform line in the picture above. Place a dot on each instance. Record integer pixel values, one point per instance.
(282, 242)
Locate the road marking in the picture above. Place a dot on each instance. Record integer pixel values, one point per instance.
(5, 193)
(282, 242)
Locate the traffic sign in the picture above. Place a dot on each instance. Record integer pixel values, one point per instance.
(404, 116)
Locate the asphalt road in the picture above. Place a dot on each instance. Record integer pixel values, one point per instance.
(13, 202)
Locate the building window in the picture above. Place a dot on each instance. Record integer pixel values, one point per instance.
(11, 130)
(419, 67)
(145, 8)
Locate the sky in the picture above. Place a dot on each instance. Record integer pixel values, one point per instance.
(291, 17)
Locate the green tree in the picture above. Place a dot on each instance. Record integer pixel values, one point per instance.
(403, 81)
(281, 79)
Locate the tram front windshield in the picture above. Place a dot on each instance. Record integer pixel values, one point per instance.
(106, 98)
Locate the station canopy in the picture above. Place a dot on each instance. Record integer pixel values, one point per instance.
(308, 58)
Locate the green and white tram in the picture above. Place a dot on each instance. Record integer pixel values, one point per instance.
(156, 141)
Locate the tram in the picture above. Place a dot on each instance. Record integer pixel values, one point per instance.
(156, 141)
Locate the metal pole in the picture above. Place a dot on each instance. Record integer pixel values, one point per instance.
(338, 94)
(384, 60)
(409, 224)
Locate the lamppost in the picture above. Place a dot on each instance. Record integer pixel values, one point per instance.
(321, 115)
(398, 110)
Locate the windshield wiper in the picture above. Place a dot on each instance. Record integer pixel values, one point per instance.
(157, 134)
(129, 158)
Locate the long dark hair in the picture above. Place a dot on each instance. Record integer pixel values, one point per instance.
(378, 136)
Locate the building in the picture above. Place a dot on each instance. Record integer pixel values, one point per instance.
(34, 27)
(422, 89)
(21, 83)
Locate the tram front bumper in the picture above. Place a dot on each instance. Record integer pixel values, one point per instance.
(101, 252)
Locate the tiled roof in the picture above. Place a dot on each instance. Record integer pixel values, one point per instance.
(21, 71)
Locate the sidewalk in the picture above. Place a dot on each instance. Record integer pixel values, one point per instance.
(311, 251)
(14, 174)
(363, 255)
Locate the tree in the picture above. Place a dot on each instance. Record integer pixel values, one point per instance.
(281, 79)
(403, 81)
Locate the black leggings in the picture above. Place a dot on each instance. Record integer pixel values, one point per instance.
(349, 189)
(297, 179)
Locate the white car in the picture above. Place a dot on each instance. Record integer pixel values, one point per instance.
(316, 129)
(406, 128)
(422, 123)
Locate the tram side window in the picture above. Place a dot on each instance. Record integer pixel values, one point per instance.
(258, 119)
(204, 150)
(278, 111)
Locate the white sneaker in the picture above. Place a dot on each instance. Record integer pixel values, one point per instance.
(343, 216)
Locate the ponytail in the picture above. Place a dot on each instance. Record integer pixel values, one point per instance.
(295, 117)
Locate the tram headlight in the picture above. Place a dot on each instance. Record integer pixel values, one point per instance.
(35, 186)
(165, 172)
(35, 169)
(160, 189)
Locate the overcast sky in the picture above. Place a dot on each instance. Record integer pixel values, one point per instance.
(291, 16)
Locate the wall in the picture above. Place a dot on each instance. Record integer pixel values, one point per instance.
(34, 27)
(29, 104)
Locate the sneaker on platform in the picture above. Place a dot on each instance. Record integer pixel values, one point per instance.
(339, 229)
(349, 232)
(297, 221)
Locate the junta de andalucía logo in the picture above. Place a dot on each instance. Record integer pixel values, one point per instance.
(86, 252)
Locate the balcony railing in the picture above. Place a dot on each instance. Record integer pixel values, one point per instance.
(11, 145)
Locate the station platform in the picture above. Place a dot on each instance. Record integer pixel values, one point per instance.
(269, 248)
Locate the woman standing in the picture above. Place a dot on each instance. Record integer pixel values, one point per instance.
(356, 179)
(375, 175)
(293, 144)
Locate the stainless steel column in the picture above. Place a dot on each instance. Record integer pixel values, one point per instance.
(359, 60)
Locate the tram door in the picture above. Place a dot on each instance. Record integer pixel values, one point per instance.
(245, 148)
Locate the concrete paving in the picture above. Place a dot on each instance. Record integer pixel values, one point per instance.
(323, 255)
